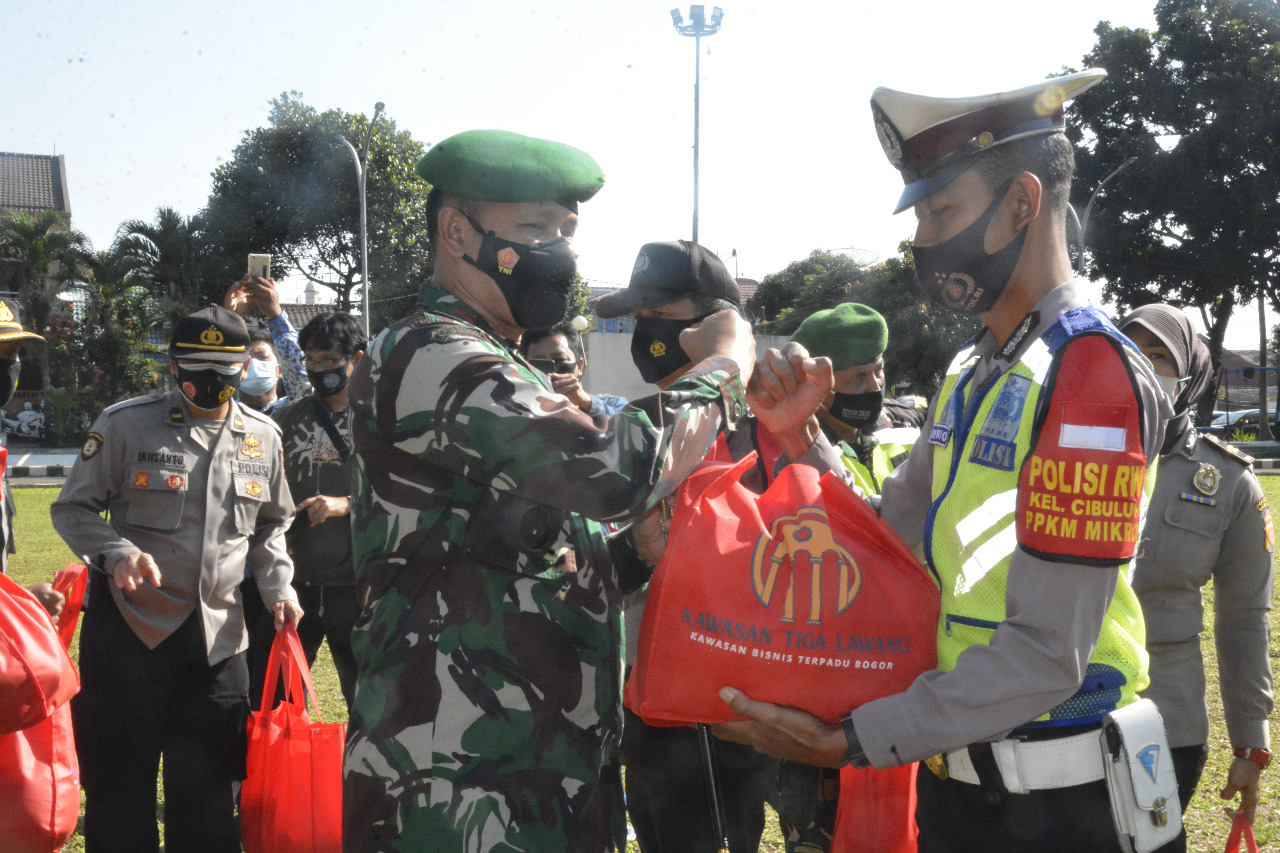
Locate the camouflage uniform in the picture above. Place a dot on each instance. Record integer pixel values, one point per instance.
(488, 704)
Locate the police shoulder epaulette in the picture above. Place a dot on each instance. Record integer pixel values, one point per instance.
(255, 415)
(136, 401)
(1228, 449)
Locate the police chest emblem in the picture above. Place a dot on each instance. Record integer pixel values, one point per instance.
(252, 447)
(1206, 479)
(253, 489)
(92, 445)
(995, 447)
(141, 480)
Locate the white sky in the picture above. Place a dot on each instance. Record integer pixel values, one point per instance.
(146, 97)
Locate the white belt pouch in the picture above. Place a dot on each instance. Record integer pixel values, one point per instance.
(1140, 778)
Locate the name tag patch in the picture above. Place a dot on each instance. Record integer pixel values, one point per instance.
(995, 446)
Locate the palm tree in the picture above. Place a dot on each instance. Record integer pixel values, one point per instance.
(163, 256)
(42, 255)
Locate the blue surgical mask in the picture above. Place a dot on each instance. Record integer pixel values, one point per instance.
(260, 379)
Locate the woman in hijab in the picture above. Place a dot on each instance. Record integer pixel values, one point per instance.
(1207, 519)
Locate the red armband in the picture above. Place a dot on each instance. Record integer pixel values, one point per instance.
(1080, 489)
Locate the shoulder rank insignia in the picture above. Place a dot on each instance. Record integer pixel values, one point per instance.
(237, 423)
(92, 445)
(1206, 479)
(1229, 449)
(176, 415)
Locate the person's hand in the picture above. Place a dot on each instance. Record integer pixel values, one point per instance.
(1244, 778)
(789, 386)
(50, 599)
(264, 294)
(786, 733)
(320, 507)
(286, 611)
(238, 299)
(724, 334)
(568, 385)
(132, 569)
(649, 532)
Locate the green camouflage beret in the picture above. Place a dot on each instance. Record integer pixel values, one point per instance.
(849, 334)
(496, 165)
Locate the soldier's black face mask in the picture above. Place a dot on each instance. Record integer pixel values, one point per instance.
(859, 411)
(958, 272)
(536, 279)
(326, 383)
(9, 370)
(207, 385)
(655, 346)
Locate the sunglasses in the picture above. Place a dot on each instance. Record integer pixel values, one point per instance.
(548, 366)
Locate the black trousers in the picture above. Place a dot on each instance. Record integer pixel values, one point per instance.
(330, 612)
(667, 794)
(137, 704)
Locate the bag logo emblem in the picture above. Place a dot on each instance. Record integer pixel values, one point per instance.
(1150, 757)
(807, 533)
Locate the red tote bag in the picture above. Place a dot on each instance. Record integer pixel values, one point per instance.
(291, 799)
(39, 772)
(800, 596)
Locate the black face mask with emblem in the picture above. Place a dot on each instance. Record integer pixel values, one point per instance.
(860, 411)
(326, 383)
(536, 279)
(207, 387)
(655, 346)
(959, 274)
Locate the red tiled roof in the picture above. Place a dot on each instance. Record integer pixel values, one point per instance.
(300, 314)
(30, 183)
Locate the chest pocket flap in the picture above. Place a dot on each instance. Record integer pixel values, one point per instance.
(1194, 517)
(156, 496)
(250, 492)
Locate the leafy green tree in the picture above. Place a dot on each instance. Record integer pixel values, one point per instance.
(166, 258)
(42, 256)
(291, 190)
(922, 337)
(1195, 220)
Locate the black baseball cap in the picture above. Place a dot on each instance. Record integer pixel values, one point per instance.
(211, 334)
(666, 272)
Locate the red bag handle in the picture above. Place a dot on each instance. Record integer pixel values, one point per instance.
(287, 657)
(1241, 826)
(71, 582)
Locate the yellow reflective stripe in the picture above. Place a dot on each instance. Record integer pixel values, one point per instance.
(209, 349)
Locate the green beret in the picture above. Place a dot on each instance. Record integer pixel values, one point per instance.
(849, 334)
(496, 165)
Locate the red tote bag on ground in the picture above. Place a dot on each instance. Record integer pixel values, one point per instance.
(291, 800)
(39, 773)
(799, 596)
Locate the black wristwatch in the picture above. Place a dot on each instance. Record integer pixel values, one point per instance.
(855, 754)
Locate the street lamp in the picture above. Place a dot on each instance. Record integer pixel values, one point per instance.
(361, 174)
(697, 27)
(1082, 223)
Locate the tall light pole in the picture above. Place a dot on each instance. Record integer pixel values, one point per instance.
(1082, 223)
(361, 174)
(697, 27)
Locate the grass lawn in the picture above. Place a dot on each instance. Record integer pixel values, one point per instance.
(41, 552)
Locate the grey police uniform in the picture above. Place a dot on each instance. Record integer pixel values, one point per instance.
(205, 506)
(162, 668)
(1208, 521)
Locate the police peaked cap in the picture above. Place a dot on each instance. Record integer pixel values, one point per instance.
(500, 166)
(932, 141)
(211, 334)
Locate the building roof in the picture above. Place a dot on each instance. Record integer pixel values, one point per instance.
(300, 314)
(31, 183)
